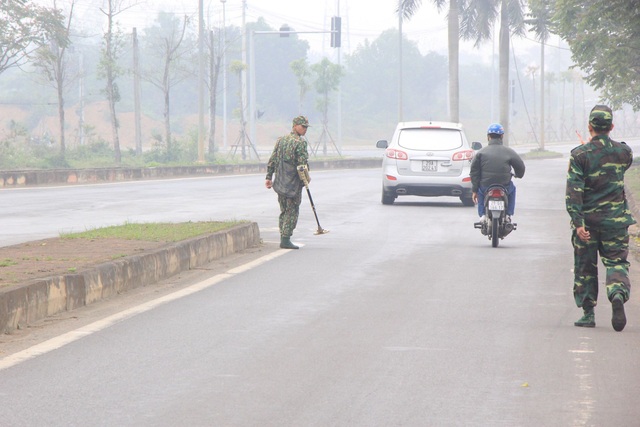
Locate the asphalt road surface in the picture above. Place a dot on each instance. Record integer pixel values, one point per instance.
(402, 315)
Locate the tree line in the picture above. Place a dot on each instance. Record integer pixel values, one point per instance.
(158, 64)
(602, 36)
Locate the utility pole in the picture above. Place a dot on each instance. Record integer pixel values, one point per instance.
(200, 82)
(542, 96)
(136, 92)
(243, 73)
(339, 54)
(224, 73)
(212, 94)
(400, 100)
(252, 88)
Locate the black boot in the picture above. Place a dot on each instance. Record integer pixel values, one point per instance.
(285, 243)
(618, 319)
(588, 320)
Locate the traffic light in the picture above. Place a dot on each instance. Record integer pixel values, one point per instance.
(336, 31)
(285, 30)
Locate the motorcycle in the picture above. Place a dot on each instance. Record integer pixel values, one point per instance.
(496, 225)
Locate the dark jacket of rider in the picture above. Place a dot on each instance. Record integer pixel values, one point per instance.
(492, 165)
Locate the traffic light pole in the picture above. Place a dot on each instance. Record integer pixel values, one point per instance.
(283, 32)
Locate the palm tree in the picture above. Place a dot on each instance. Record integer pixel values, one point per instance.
(540, 22)
(407, 8)
(477, 23)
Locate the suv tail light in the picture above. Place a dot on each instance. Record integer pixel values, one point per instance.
(463, 155)
(396, 154)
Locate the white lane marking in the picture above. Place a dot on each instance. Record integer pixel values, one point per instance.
(69, 337)
(415, 349)
(584, 404)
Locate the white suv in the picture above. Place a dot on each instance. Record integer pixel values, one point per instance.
(427, 159)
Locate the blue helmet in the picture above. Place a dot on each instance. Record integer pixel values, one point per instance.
(495, 128)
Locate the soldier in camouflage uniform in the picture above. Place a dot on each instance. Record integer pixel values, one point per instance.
(289, 152)
(600, 218)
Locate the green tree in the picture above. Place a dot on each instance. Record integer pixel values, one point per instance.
(108, 68)
(367, 93)
(273, 56)
(24, 27)
(477, 23)
(327, 80)
(604, 37)
(408, 8)
(51, 59)
(237, 68)
(221, 42)
(169, 48)
(301, 70)
(216, 49)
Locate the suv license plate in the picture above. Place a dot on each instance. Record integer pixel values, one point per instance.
(429, 166)
(496, 205)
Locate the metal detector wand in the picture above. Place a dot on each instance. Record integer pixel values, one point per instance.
(303, 172)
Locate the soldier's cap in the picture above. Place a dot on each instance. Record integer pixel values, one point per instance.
(601, 117)
(301, 120)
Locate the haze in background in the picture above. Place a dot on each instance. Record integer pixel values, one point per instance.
(361, 19)
(364, 20)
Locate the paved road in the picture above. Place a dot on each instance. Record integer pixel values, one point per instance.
(401, 315)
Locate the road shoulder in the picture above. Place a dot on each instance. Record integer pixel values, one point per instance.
(61, 323)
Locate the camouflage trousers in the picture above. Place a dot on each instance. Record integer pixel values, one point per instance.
(289, 209)
(613, 247)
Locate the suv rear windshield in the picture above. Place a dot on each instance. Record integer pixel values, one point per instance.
(436, 139)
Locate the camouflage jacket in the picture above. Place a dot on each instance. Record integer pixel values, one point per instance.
(595, 184)
(293, 150)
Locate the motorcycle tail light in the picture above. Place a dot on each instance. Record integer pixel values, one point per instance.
(496, 192)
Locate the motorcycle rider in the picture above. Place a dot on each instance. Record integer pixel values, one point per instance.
(493, 164)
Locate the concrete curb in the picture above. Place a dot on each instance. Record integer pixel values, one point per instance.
(23, 178)
(34, 301)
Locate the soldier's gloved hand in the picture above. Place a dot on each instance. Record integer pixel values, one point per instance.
(303, 173)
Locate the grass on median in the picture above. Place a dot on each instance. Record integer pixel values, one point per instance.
(537, 153)
(154, 232)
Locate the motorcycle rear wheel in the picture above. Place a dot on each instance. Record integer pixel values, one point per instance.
(495, 238)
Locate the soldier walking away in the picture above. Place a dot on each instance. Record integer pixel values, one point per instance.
(289, 152)
(600, 218)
